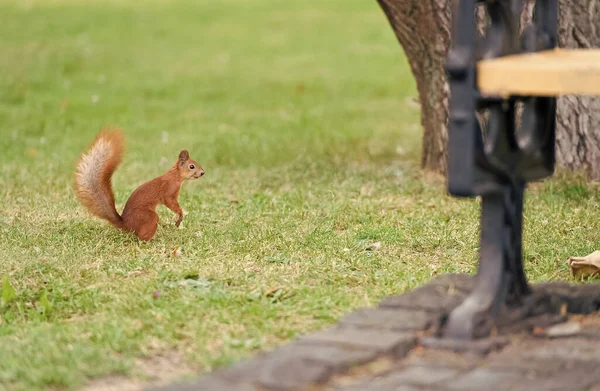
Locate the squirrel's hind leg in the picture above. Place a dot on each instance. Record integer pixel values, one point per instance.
(146, 226)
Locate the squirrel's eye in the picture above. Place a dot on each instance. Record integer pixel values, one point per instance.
(192, 167)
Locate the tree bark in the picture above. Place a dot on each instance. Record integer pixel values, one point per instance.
(578, 117)
(422, 28)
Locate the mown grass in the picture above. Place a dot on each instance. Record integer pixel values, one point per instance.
(301, 113)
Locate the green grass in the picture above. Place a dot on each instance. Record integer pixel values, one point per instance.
(313, 203)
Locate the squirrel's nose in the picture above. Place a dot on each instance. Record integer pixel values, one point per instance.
(201, 173)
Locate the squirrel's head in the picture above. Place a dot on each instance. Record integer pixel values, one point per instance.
(188, 168)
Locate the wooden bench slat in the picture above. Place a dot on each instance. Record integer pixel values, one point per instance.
(546, 73)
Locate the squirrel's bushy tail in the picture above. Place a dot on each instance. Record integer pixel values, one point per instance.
(93, 175)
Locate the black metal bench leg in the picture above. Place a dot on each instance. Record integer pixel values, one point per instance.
(496, 163)
(521, 287)
(500, 279)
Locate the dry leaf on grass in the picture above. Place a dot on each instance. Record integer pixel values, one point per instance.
(587, 266)
(177, 252)
(272, 291)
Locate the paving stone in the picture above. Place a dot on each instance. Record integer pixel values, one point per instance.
(591, 291)
(560, 288)
(421, 376)
(575, 379)
(311, 364)
(246, 371)
(273, 370)
(379, 340)
(436, 298)
(526, 364)
(293, 372)
(389, 319)
(375, 385)
(518, 355)
(563, 349)
(478, 346)
(581, 298)
(443, 358)
(338, 358)
(485, 379)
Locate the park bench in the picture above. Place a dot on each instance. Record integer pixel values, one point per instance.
(507, 73)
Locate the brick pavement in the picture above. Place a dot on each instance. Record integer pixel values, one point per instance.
(384, 349)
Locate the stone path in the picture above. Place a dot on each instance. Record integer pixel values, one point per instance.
(383, 349)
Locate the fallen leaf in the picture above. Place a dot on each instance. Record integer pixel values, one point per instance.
(584, 267)
(272, 291)
(177, 252)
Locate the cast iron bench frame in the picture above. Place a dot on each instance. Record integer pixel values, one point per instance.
(496, 163)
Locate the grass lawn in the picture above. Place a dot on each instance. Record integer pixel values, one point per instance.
(301, 112)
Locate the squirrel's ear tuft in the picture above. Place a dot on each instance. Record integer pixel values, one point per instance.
(183, 157)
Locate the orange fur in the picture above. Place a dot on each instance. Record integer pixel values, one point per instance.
(93, 187)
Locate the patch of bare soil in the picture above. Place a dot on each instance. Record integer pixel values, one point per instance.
(155, 371)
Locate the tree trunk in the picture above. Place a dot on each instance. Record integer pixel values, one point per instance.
(578, 117)
(423, 30)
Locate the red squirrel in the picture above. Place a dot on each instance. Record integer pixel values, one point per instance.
(94, 171)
